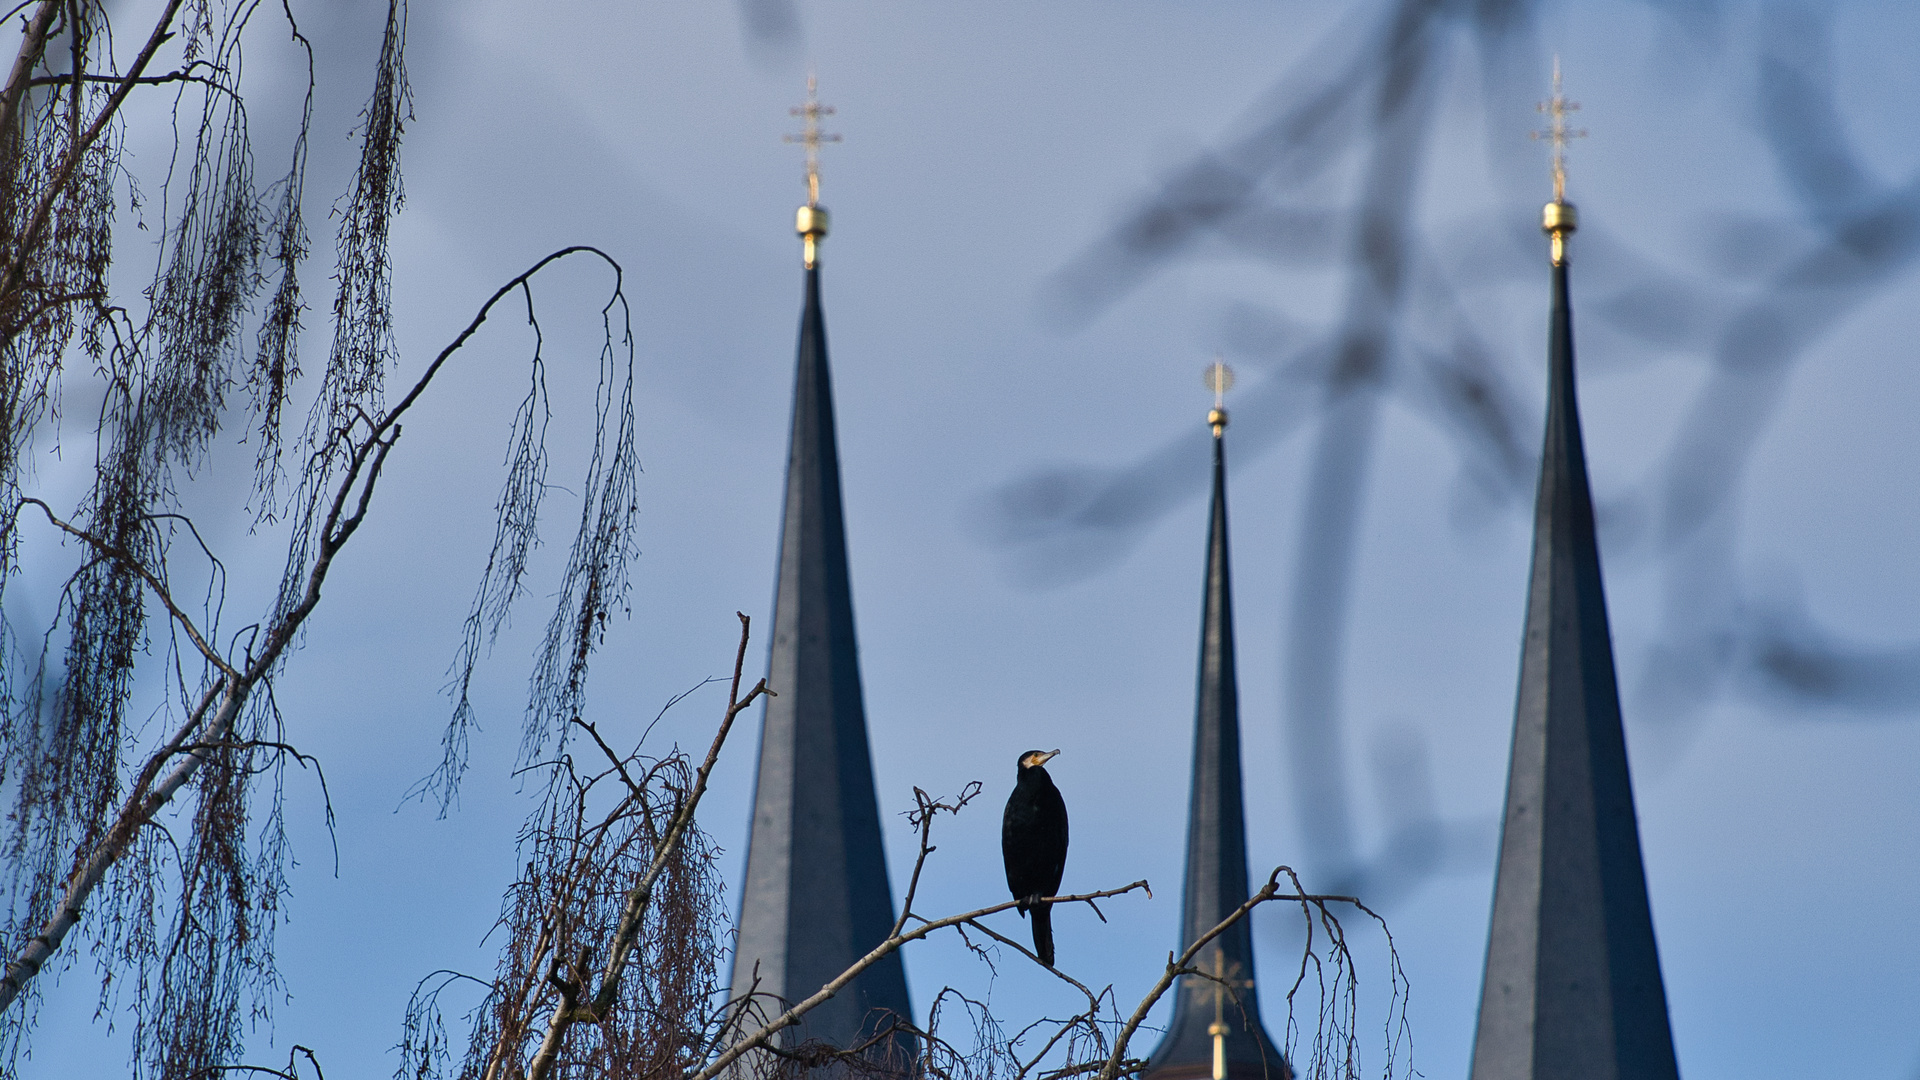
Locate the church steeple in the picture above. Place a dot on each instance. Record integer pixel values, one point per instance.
(1216, 1031)
(817, 897)
(1572, 986)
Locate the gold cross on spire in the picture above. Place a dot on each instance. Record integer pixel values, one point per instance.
(1558, 220)
(811, 136)
(811, 221)
(1219, 378)
(1557, 107)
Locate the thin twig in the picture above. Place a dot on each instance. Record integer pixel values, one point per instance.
(570, 1011)
(1269, 891)
(922, 816)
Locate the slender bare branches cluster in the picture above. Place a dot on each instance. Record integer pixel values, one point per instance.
(608, 966)
(1098, 1041)
(610, 933)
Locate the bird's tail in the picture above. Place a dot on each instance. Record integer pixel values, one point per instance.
(1043, 932)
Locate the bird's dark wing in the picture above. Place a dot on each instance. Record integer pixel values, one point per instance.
(1053, 853)
(1016, 828)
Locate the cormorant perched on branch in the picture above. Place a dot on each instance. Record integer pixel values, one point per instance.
(1033, 839)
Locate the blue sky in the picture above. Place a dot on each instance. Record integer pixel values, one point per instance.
(988, 146)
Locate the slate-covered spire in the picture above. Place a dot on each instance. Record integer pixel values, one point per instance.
(1216, 1030)
(816, 896)
(1572, 988)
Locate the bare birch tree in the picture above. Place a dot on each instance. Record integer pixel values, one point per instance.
(154, 849)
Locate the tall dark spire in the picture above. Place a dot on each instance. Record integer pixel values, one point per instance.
(817, 896)
(1573, 988)
(1216, 1030)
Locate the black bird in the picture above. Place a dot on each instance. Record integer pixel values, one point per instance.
(1033, 839)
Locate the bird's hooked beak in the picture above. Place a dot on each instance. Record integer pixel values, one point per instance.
(1042, 759)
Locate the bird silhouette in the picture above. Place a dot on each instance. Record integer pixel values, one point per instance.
(1033, 840)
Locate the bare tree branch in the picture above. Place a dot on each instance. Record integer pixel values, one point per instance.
(127, 559)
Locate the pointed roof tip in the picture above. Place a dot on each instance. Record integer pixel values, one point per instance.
(1572, 983)
(1216, 1031)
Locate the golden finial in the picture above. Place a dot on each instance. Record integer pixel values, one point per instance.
(1559, 219)
(811, 220)
(1219, 379)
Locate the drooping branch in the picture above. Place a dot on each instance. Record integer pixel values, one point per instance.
(594, 577)
(276, 361)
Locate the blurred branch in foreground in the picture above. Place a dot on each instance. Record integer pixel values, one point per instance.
(1323, 177)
